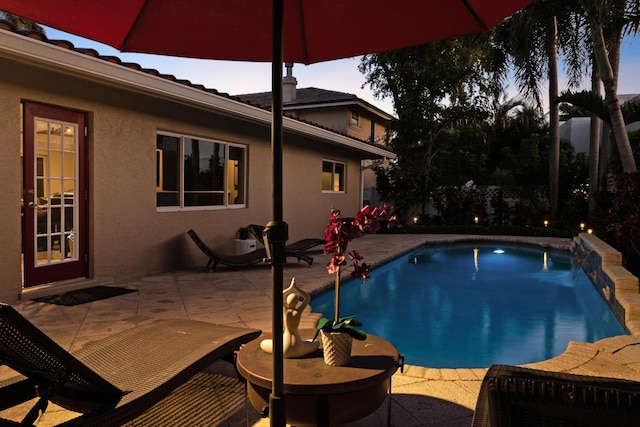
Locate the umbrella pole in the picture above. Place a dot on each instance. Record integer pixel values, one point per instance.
(279, 227)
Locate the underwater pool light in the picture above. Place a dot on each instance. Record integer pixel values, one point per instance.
(498, 251)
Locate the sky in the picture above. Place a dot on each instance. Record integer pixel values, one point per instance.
(235, 77)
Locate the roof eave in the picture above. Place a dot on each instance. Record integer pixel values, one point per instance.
(71, 62)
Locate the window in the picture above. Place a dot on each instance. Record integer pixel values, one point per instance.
(193, 172)
(355, 118)
(333, 176)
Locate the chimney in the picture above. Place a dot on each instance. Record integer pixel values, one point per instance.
(289, 84)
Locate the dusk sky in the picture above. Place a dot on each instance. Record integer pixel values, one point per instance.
(340, 75)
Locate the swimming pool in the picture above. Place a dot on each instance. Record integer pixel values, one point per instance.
(472, 305)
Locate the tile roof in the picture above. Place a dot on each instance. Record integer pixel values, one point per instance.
(313, 97)
(65, 44)
(304, 96)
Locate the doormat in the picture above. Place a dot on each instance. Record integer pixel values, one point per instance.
(83, 296)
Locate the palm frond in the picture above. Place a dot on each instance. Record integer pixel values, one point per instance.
(587, 100)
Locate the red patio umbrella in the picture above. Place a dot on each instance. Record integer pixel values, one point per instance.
(314, 31)
(302, 31)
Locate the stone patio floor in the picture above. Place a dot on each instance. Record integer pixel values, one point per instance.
(242, 297)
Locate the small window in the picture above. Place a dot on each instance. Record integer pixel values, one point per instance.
(355, 118)
(194, 172)
(333, 174)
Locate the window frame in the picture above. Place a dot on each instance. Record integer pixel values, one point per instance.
(333, 175)
(182, 138)
(354, 119)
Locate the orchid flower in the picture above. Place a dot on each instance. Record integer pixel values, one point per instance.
(338, 234)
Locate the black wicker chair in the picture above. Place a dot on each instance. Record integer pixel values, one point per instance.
(112, 380)
(251, 258)
(516, 396)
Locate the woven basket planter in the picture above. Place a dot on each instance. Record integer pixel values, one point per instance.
(336, 348)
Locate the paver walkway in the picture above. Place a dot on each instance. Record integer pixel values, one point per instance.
(421, 396)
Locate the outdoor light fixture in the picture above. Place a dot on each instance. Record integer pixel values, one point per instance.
(476, 219)
(582, 226)
(590, 231)
(546, 222)
(415, 219)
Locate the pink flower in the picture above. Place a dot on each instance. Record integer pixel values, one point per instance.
(338, 234)
(337, 261)
(361, 271)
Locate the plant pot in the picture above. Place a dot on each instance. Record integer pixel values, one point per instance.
(243, 233)
(336, 348)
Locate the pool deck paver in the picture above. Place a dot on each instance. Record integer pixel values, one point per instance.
(242, 297)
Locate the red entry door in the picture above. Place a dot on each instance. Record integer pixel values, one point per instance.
(54, 195)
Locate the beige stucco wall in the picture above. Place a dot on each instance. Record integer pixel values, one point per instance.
(339, 119)
(10, 180)
(335, 118)
(128, 237)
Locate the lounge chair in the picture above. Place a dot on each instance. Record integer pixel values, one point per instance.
(516, 396)
(300, 245)
(112, 380)
(251, 258)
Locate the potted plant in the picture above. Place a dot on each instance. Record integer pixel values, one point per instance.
(337, 334)
(243, 233)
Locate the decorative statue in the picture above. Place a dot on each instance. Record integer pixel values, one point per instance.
(293, 346)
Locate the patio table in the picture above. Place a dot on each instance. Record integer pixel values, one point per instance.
(319, 394)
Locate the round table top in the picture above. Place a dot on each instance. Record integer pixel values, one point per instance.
(372, 361)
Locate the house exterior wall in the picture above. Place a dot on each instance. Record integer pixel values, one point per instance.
(339, 120)
(10, 180)
(128, 237)
(335, 118)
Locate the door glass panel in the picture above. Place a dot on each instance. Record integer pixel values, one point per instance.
(42, 245)
(56, 184)
(69, 138)
(69, 167)
(70, 248)
(42, 134)
(55, 165)
(55, 141)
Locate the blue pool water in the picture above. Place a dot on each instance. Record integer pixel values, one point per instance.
(466, 306)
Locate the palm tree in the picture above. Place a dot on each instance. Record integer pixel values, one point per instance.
(531, 38)
(594, 146)
(595, 104)
(611, 15)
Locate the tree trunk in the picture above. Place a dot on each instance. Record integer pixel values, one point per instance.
(554, 119)
(607, 76)
(594, 145)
